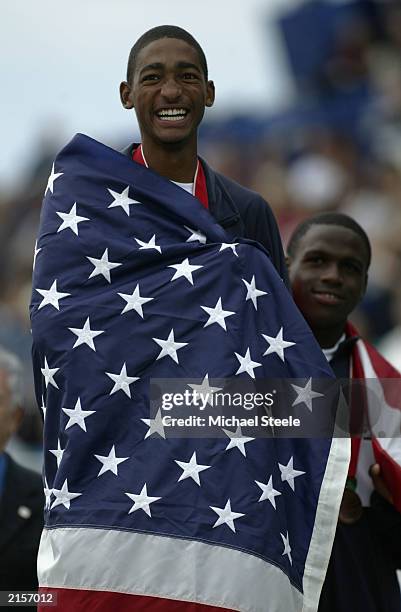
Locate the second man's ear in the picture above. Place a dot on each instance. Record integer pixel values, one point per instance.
(125, 95)
(210, 93)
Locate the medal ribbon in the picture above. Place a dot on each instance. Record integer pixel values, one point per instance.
(357, 412)
(200, 188)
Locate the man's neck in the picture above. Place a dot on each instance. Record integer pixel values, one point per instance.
(172, 161)
(327, 338)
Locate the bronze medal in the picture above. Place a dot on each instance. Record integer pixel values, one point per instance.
(351, 507)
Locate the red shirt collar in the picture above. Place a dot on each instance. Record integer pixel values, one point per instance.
(200, 179)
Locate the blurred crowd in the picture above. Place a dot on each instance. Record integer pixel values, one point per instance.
(340, 150)
(302, 161)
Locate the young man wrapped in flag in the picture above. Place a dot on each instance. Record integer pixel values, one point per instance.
(136, 278)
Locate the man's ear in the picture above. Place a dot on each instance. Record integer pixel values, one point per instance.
(125, 95)
(288, 261)
(210, 93)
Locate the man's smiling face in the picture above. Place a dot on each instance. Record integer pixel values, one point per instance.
(168, 91)
(328, 275)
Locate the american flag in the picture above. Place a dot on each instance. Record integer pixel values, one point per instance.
(383, 414)
(134, 280)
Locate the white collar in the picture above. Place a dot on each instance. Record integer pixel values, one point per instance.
(330, 352)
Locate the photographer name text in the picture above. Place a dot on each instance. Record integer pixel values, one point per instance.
(229, 421)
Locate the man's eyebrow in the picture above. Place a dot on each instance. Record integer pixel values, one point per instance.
(188, 65)
(160, 66)
(154, 66)
(354, 259)
(314, 251)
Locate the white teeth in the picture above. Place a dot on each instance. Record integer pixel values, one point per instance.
(329, 295)
(174, 118)
(178, 113)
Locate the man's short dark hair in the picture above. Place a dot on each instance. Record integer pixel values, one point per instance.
(331, 218)
(164, 31)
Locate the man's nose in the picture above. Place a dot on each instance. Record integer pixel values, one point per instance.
(171, 90)
(332, 273)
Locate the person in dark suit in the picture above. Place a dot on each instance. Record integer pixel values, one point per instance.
(21, 491)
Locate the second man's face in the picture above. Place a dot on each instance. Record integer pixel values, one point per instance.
(169, 92)
(328, 275)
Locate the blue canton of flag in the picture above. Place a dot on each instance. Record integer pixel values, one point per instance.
(135, 280)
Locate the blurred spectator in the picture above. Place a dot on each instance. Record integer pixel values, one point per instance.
(21, 491)
(316, 182)
(347, 66)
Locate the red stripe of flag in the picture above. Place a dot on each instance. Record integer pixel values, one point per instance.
(79, 600)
